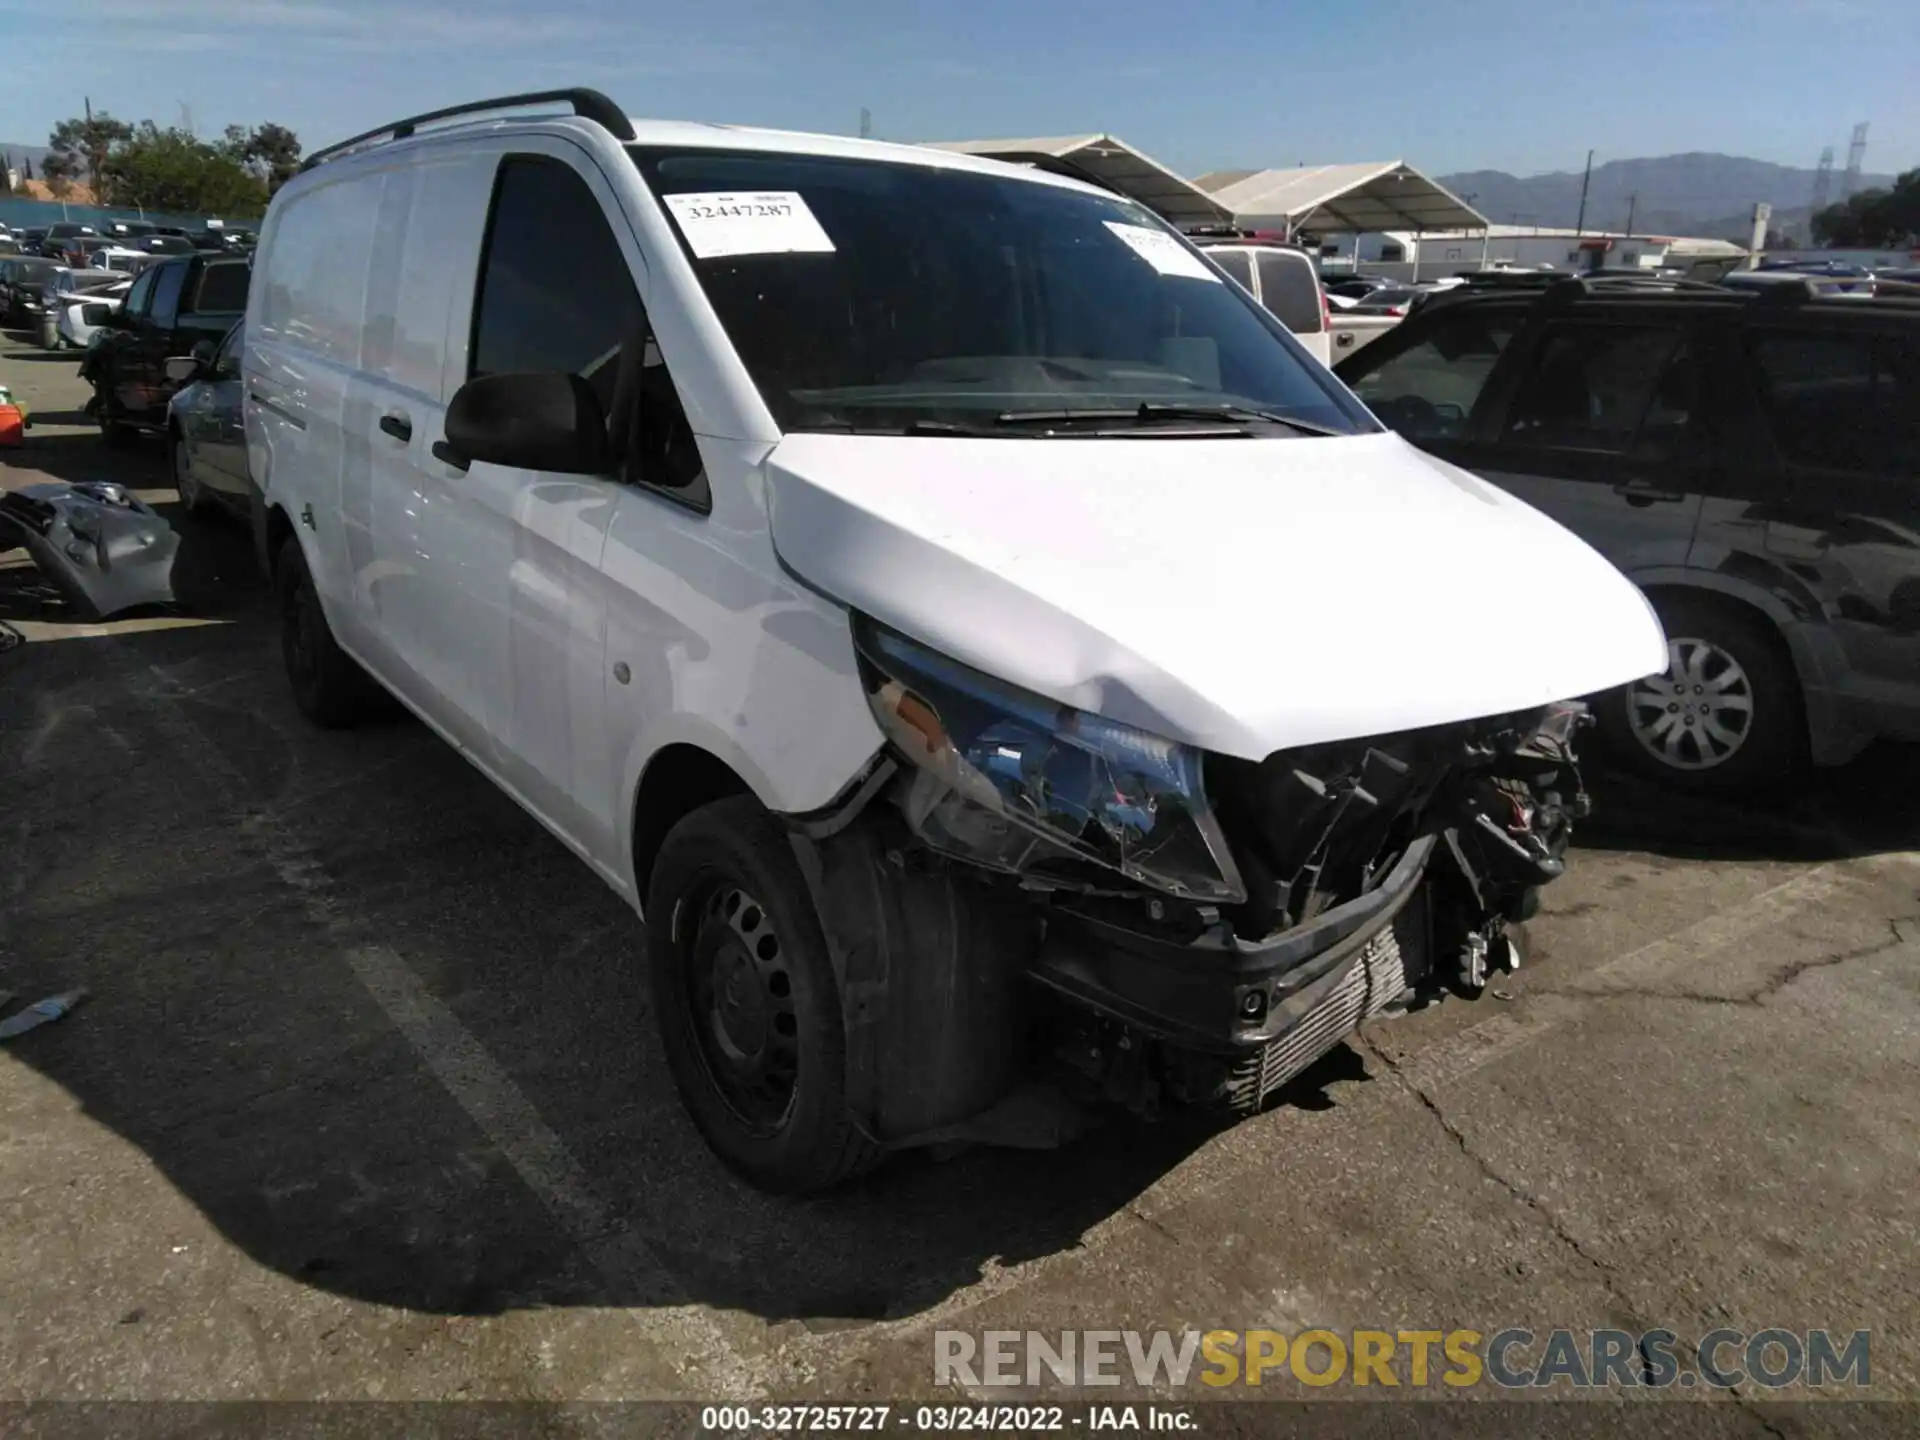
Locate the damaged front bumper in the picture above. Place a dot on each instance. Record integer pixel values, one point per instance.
(1213, 925)
(102, 548)
(1218, 994)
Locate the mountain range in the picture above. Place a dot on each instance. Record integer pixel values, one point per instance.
(1699, 194)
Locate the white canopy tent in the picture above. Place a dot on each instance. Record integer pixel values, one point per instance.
(1109, 162)
(1385, 196)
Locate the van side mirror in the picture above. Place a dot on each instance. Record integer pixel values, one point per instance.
(537, 420)
(182, 369)
(203, 352)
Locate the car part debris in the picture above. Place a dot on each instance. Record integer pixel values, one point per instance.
(41, 1012)
(105, 550)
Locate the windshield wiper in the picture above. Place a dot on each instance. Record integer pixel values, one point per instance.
(1149, 411)
(907, 427)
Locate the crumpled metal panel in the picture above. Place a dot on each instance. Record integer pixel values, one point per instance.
(105, 550)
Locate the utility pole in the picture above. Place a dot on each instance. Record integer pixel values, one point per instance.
(1633, 203)
(866, 123)
(1580, 225)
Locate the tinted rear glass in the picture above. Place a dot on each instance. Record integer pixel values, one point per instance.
(223, 289)
(1842, 401)
(1290, 288)
(1236, 263)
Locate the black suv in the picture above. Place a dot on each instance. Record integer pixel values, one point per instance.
(1751, 460)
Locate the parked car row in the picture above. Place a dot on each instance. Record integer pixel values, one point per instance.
(71, 241)
(182, 307)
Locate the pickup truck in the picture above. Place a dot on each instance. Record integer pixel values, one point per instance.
(181, 306)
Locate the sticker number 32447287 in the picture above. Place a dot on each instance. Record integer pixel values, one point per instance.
(764, 222)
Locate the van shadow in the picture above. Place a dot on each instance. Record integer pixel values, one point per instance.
(1869, 806)
(392, 1039)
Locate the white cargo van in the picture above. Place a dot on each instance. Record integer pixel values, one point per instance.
(972, 633)
(1286, 280)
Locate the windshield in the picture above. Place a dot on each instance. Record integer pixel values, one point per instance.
(878, 294)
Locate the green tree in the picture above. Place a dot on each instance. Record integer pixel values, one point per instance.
(1873, 219)
(78, 148)
(26, 169)
(6, 174)
(171, 170)
(274, 151)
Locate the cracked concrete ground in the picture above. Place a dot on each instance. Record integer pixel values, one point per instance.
(366, 1104)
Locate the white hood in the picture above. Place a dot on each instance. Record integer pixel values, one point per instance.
(1242, 595)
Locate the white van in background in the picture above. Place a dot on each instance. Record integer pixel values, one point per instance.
(1284, 278)
(944, 634)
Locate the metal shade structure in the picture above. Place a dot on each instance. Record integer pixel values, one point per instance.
(1113, 163)
(1361, 199)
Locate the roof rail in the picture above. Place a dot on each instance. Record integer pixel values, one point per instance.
(588, 103)
(1575, 286)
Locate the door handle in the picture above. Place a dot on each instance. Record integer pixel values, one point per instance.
(447, 455)
(1639, 492)
(398, 426)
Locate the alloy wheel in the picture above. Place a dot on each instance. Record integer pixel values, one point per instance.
(1699, 714)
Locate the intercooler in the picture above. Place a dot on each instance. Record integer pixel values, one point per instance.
(1380, 975)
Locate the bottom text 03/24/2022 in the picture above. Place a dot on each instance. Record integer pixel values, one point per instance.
(940, 1419)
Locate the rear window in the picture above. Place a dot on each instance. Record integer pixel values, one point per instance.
(1236, 263)
(223, 290)
(1290, 288)
(1842, 401)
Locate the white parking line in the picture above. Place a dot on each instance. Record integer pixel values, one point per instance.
(478, 1084)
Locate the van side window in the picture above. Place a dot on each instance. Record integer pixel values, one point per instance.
(166, 294)
(556, 294)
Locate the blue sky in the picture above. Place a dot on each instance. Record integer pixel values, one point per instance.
(1444, 84)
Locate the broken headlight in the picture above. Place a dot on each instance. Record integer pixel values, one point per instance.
(1015, 781)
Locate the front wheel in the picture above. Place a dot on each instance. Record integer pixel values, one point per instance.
(1725, 715)
(745, 999)
(328, 687)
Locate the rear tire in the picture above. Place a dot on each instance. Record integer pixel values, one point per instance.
(1726, 716)
(328, 687)
(746, 1002)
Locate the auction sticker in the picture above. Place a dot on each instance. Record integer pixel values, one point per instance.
(765, 222)
(1162, 251)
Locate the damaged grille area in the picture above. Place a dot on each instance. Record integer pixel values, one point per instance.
(1314, 827)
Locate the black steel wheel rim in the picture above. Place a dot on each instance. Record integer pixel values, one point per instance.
(738, 995)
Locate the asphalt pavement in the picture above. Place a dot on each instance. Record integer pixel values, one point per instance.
(365, 1103)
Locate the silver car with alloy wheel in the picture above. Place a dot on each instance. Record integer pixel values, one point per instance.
(1751, 459)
